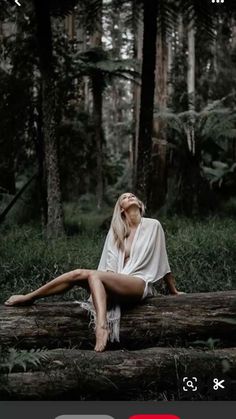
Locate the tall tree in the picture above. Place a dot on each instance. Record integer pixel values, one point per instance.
(45, 49)
(137, 21)
(150, 9)
(159, 149)
(97, 92)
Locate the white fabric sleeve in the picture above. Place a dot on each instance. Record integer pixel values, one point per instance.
(109, 257)
(162, 247)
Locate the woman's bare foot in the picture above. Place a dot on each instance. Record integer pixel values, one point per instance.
(102, 333)
(18, 300)
(178, 293)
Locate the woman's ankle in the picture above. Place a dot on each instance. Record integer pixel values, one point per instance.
(30, 297)
(102, 324)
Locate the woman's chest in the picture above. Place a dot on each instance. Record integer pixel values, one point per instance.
(128, 243)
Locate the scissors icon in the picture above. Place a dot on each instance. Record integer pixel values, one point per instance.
(190, 384)
(218, 384)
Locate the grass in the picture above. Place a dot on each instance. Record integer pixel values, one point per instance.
(201, 253)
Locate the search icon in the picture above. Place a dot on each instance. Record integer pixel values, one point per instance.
(190, 384)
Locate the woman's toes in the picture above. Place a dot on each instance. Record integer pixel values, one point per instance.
(9, 301)
(17, 300)
(102, 334)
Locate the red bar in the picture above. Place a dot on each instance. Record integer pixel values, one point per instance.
(154, 417)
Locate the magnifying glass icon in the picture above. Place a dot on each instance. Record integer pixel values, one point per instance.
(189, 384)
(17, 2)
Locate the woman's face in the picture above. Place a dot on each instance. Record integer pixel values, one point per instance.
(128, 199)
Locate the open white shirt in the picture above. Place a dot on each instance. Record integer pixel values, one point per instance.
(148, 260)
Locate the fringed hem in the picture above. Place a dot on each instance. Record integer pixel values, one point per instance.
(113, 319)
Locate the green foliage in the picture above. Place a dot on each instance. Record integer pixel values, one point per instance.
(11, 359)
(214, 123)
(201, 253)
(207, 344)
(220, 172)
(228, 207)
(198, 140)
(77, 155)
(96, 62)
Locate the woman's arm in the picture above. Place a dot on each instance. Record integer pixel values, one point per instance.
(170, 282)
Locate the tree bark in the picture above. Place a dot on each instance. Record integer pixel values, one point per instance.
(159, 145)
(191, 85)
(97, 88)
(157, 321)
(70, 26)
(150, 8)
(191, 65)
(138, 37)
(40, 154)
(55, 225)
(121, 375)
(97, 91)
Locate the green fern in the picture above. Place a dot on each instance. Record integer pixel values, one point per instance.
(208, 344)
(11, 358)
(219, 172)
(215, 124)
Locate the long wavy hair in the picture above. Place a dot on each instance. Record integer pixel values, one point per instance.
(119, 224)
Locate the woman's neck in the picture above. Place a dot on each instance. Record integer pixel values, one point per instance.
(133, 217)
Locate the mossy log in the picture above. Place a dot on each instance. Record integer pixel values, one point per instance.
(70, 374)
(157, 321)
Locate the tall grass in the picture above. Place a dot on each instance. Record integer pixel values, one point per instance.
(201, 254)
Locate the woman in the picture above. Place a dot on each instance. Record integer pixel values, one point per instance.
(133, 258)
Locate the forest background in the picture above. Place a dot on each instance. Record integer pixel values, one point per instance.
(99, 97)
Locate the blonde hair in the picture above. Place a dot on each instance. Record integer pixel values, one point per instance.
(119, 224)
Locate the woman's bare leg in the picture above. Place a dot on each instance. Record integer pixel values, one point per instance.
(116, 284)
(99, 282)
(56, 286)
(99, 297)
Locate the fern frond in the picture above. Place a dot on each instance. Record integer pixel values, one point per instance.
(14, 358)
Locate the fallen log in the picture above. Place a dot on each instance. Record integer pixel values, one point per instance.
(160, 320)
(69, 374)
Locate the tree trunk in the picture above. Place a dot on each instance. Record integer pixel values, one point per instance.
(158, 321)
(70, 26)
(97, 90)
(159, 146)
(191, 65)
(55, 226)
(40, 154)
(150, 8)
(138, 37)
(70, 374)
(7, 169)
(191, 170)
(97, 118)
(191, 85)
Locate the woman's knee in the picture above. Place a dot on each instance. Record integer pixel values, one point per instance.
(92, 276)
(78, 274)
